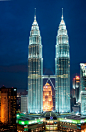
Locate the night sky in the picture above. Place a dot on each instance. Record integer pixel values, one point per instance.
(16, 18)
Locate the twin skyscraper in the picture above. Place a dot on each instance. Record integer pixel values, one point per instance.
(35, 70)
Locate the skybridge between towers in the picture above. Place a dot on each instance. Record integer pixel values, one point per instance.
(48, 76)
(35, 70)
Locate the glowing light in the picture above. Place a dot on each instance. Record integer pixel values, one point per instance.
(77, 113)
(26, 122)
(47, 98)
(23, 123)
(77, 77)
(17, 115)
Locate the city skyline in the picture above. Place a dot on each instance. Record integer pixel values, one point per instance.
(15, 24)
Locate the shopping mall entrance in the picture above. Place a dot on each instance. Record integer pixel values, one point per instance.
(51, 123)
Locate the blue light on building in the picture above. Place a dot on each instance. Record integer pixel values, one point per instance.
(62, 69)
(35, 70)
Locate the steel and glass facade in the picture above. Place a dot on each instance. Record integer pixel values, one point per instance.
(83, 87)
(35, 70)
(62, 70)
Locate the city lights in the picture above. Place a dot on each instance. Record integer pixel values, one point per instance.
(47, 98)
(35, 70)
(62, 70)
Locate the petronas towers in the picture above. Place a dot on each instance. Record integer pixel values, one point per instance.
(62, 69)
(35, 70)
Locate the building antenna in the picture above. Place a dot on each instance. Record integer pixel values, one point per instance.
(35, 14)
(62, 13)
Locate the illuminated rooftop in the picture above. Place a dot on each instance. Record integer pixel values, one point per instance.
(24, 119)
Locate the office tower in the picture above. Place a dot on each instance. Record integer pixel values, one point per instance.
(47, 98)
(76, 88)
(83, 87)
(35, 70)
(62, 69)
(8, 107)
(24, 103)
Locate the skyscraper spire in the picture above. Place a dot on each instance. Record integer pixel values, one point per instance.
(35, 70)
(62, 13)
(35, 14)
(62, 69)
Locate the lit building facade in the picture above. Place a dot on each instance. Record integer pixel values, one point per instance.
(8, 107)
(35, 70)
(24, 103)
(47, 98)
(76, 88)
(83, 87)
(62, 70)
(51, 122)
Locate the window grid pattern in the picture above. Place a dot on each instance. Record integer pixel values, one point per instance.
(62, 70)
(35, 70)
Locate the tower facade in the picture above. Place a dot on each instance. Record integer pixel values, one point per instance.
(83, 87)
(62, 70)
(47, 98)
(35, 70)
